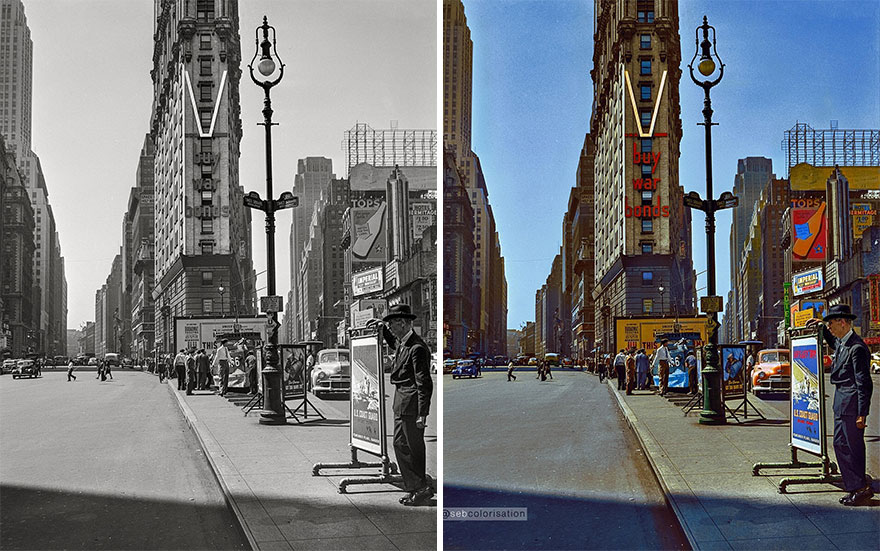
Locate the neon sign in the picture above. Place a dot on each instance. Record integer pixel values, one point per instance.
(645, 158)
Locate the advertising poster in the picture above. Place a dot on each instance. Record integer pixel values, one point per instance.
(874, 300)
(368, 235)
(204, 332)
(732, 362)
(367, 396)
(806, 406)
(801, 317)
(679, 346)
(293, 363)
(367, 282)
(807, 282)
(809, 234)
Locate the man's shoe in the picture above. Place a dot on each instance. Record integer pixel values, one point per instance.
(405, 498)
(419, 497)
(858, 497)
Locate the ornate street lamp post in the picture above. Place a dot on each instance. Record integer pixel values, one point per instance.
(270, 70)
(713, 408)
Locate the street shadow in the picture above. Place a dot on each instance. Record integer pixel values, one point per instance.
(40, 518)
(558, 522)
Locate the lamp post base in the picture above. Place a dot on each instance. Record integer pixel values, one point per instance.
(273, 399)
(713, 402)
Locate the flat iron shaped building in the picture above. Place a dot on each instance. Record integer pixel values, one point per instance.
(642, 229)
(202, 229)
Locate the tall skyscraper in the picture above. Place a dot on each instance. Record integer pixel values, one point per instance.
(16, 67)
(202, 229)
(644, 241)
(489, 335)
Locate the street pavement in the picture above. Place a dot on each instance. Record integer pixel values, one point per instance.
(265, 473)
(706, 474)
(104, 465)
(559, 448)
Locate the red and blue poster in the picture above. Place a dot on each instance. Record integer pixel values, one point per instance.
(807, 415)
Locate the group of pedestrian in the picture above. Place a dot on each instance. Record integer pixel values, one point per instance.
(544, 370)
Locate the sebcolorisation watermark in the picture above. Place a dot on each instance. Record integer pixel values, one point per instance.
(485, 513)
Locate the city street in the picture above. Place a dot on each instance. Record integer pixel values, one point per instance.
(105, 465)
(559, 448)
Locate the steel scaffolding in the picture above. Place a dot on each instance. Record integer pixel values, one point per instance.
(832, 147)
(392, 147)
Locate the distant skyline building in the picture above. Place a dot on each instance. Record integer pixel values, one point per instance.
(16, 94)
(140, 272)
(202, 229)
(489, 334)
(644, 240)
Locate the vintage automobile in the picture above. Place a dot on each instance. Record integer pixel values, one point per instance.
(772, 371)
(112, 359)
(465, 368)
(449, 365)
(92, 361)
(875, 362)
(8, 366)
(26, 368)
(533, 361)
(332, 372)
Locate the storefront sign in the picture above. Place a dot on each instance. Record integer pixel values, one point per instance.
(807, 401)
(642, 332)
(367, 282)
(807, 282)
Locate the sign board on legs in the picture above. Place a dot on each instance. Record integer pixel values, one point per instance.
(368, 430)
(807, 395)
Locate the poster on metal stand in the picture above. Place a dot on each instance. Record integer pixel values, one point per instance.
(293, 378)
(733, 363)
(808, 422)
(368, 432)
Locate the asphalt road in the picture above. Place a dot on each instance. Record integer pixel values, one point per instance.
(104, 465)
(559, 448)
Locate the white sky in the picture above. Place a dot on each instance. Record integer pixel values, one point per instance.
(346, 61)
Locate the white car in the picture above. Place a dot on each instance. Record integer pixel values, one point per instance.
(332, 372)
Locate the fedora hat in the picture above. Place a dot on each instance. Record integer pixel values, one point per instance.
(399, 311)
(839, 311)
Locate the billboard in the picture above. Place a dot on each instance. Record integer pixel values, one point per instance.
(368, 235)
(367, 282)
(642, 332)
(807, 401)
(423, 214)
(807, 177)
(863, 217)
(367, 429)
(204, 332)
(809, 234)
(809, 281)
(874, 300)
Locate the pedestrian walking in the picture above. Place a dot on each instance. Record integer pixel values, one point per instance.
(691, 364)
(602, 367)
(107, 371)
(851, 377)
(643, 368)
(619, 369)
(663, 359)
(510, 374)
(70, 374)
(411, 376)
(630, 371)
(180, 369)
(191, 372)
(161, 369)
(221, 362)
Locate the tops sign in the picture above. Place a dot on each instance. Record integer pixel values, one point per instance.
(807, 282)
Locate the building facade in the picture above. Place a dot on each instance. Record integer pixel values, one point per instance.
(202, 229)
(140, 270)
(644, 243)
(459, 313)
(49, 335)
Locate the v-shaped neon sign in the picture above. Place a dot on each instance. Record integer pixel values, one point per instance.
(632, 97)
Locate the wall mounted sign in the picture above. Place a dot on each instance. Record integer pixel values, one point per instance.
(807, 282)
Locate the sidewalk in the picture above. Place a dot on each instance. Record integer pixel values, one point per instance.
(266, 474)
(706, 474)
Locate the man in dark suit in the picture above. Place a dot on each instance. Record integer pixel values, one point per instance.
(851, 377)
(411, 376)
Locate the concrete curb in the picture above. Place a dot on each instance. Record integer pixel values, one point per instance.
(207, 442)
(654, 453)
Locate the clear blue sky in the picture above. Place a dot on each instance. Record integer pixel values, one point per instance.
(785, 62)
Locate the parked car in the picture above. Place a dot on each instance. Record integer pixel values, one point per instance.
(127, 362)
(465, 368)
(772, 371)
(8, 366)
(448, 365)
(533, 361)
(111, 359)
(332, 372)
(26, 368)
(92, 361)
(60, 360)
(567, 362)
(875, 362)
